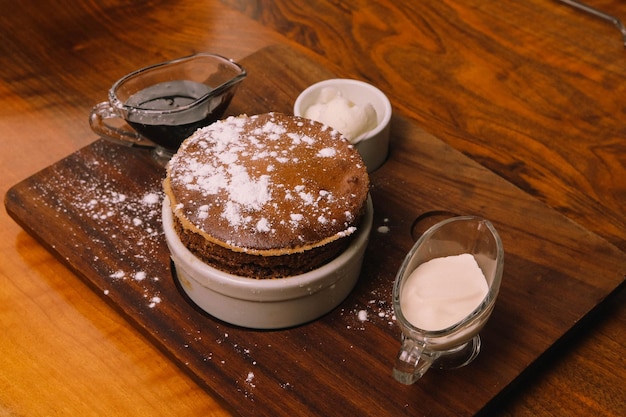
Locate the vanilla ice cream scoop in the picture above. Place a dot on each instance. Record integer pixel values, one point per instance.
(337, 111)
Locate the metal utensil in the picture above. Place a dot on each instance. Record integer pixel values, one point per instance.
(598, 13)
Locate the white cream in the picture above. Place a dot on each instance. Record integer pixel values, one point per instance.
(338, 112)
(443, 291)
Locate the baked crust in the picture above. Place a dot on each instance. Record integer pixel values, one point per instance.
(268, 195)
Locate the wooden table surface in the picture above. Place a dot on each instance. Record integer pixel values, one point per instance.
(533, 90)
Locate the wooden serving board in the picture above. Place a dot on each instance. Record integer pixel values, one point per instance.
(98, 211)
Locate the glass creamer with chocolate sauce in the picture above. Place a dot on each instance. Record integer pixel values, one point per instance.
(165, 103)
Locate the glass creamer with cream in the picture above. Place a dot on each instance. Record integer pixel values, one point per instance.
(443, 291)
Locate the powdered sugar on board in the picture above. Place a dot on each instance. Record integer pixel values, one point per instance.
(115, 228)
(378, 309)
(122, 226)
(126, 246)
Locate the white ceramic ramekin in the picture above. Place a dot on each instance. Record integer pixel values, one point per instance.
(374, 145)
(268, 303)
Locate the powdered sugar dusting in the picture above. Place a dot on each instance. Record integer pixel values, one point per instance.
(253, 176)
(362, 315)
(151, 198)
(327, 152)
(377, 309)
(117, 274)
(384, 228)
(109, 223)
(250, 379)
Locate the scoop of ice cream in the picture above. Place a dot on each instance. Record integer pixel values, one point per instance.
(338, 112)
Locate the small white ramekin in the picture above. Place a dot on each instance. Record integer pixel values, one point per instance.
(268, 303)
(374, 145)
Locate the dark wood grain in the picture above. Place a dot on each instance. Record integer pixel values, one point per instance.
(336, 362)
(533, 90)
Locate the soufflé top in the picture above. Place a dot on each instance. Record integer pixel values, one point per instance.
(266, 196)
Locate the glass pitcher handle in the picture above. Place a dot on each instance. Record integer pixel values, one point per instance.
(412, 361)
(98, 120)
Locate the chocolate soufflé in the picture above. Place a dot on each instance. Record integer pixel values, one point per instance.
(266, 196)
